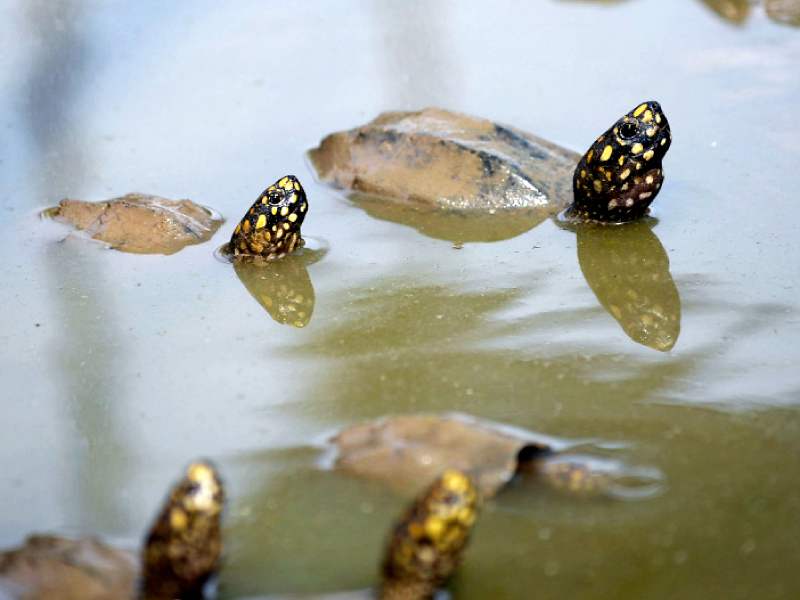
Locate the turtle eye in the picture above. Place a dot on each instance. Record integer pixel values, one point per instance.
(627, 130)
(274, 198)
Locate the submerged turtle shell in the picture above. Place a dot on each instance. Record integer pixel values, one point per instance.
(447, 160)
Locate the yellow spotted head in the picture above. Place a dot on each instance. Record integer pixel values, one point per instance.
(621, 174)
(271, 227)
(426, 545)
(184, 544)
(201, 490)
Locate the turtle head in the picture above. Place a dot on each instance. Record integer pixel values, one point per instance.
(620, 175)
(271, 227)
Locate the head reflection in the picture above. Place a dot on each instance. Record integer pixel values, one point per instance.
(628, 270)
(283, 287)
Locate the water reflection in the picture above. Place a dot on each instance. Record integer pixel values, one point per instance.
(456, 227)
(56, 78)
(783, 11)
(628, 271)
(626, 267)
(733, 11)
(738, 11)
(398, 346)
(87, 357)
(415, 53)
(282, 287)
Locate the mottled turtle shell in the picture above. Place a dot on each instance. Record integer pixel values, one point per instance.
(445, 160)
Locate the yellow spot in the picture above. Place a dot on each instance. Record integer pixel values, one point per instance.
(178, 519)
(264, 199)
(664, 141)
(286, 226)
(606, 153)
(612, 204)
(651, 132)
(598, 185)
(621, 161)
(283, 181)
(284, 211)
(297, 185)
(252, 210)
(589, 156)
(648, 116)
(246, 226)
(640, 109)
(648, 155)
(583, 174)
(238, 229)
(608, 176)
(256, 247)
(262, 222)
(649, 179)
(271, 188)
(637, 148)
(279, 234)
(274, 210)
(434, 528)
(293, 200)
(624, 175)
(274, 228)
(267, 236)
(645, 195)
(600, 139)
(293, 217)
(455, 481)
(288, 186)
(303, 207)
(658, 119)
(200, 472)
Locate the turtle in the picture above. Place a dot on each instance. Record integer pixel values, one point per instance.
(184, 544)
(426, 545)
(271, 227)
(463, 165)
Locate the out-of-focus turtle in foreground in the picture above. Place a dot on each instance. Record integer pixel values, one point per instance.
(184, 545)
(181, 552)
(444, 160)
(427, 543)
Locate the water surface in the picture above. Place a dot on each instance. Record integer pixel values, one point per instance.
(119, 369)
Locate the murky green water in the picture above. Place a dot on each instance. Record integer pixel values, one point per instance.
(117, 369)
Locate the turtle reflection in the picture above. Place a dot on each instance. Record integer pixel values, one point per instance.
(451, 226)
(733, 11)
(738, 11)
(628, 270)
(283, 287)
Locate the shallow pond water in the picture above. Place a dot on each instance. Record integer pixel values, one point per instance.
(119, 369)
